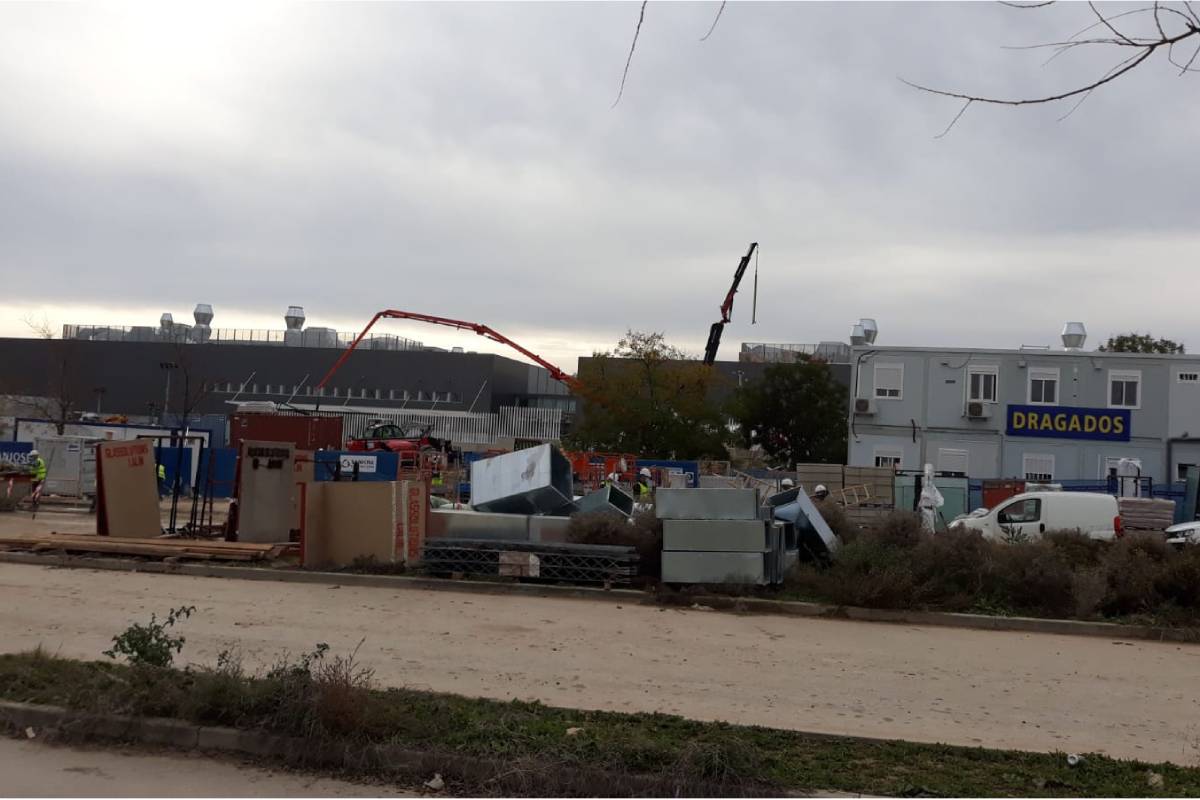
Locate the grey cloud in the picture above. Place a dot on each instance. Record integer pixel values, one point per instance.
(463, 159)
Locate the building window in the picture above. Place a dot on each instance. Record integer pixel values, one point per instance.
(1188, 377)
(336, 391)
(308, 390)
(1037, 467)
(952, 462)
(981, 384)
(1124, 388)
(1043, 386)
(889, 381)
(888, 458)
(378, 394)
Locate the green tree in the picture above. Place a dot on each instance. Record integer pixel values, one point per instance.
(797, 412)
(649, 398)
(1140, 343)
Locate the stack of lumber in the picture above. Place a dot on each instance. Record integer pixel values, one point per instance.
(1146, 514)
(180, 549)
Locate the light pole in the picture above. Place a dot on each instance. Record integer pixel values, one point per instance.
(166, 366)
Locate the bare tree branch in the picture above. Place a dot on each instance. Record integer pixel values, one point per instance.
(1143, 48)
(1108, 24)
(632, 47)
(957, 116)
(715, 21)
(1042, 4)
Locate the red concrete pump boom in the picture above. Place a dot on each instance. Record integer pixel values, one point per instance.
(483, 330)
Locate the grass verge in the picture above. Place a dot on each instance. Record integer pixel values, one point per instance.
(551, 751)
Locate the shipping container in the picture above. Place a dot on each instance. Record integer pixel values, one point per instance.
(305, 433)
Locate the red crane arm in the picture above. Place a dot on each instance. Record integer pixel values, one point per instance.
(483, 330)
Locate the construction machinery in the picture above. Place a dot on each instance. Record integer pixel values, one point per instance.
(483, 330)
(714, 333)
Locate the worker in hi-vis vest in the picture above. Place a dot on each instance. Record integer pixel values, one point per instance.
(39, 472)
(644, 486)
(162, 480)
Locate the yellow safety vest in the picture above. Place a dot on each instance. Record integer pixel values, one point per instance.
(39, 469)
(162, 472)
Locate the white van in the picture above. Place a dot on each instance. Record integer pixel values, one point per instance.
(1031, 514)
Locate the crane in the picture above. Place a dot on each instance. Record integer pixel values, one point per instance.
(714, 333)
(559, 375)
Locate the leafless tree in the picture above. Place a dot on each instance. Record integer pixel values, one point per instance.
(1160, 28)
(58, 402)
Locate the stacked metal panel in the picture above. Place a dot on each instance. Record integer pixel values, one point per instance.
(536, 480)
(718, 536)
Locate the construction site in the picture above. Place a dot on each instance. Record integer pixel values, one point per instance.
(525, 563)
(599, 400)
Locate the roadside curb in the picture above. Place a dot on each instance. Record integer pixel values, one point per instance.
(744, 605)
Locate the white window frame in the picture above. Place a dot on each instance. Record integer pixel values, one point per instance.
(889, 453)
(1026, 471)
(1187, 376)
(1043, 374)
(992, 370)
(1125, 376)
(875, 383)
(954, 453)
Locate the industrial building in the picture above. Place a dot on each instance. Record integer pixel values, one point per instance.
(1036, 414)
(131, 370)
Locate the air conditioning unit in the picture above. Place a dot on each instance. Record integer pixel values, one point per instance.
(978, 410)
(864, 406)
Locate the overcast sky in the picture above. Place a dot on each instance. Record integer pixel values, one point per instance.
(465, 160)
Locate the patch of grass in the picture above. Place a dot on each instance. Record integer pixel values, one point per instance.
(331, 701)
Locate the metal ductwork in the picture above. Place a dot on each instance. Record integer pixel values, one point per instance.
(294, 318)
(858, 336)
(203, 314)
(1074, 334)
(870, 329)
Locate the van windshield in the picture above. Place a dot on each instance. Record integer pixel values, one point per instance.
(1029, 510)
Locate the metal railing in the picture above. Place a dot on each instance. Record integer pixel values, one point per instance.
(188, 334)
(777, 353)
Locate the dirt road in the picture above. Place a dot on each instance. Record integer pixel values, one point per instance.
(33, 769)
(997, 689)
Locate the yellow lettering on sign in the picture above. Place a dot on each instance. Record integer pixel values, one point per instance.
(1060, 423)
(1074, 426)
(1018, 420)
(1119, 425)
(1047, 423)
(1089, 424)
(1106, 424)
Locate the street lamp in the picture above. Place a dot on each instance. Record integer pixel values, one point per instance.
(166, 366)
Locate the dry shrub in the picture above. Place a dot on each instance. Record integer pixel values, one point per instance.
(1032, 577)
(1088, 586)
(643, 532)
(950, 570)
(1077, 547)
(901, 529)
(835, 517)
(1179, 580)
(1132, 565)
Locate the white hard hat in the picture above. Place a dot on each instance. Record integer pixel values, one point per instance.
(787, 483)
(644, 472)
(33, 452)
(820, 489)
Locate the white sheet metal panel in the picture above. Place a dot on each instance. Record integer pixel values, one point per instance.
(687, 567)
(716, 535)
(706, 503)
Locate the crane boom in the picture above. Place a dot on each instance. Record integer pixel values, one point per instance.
(714, 333)
(569, 381)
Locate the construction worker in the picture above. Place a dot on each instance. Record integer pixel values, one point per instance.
(786, 484)
(820, 493)
(162, 480)
(38, 465)
(644, 486)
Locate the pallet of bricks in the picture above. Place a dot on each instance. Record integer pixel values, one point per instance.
(1146, 514)
(867, 493)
